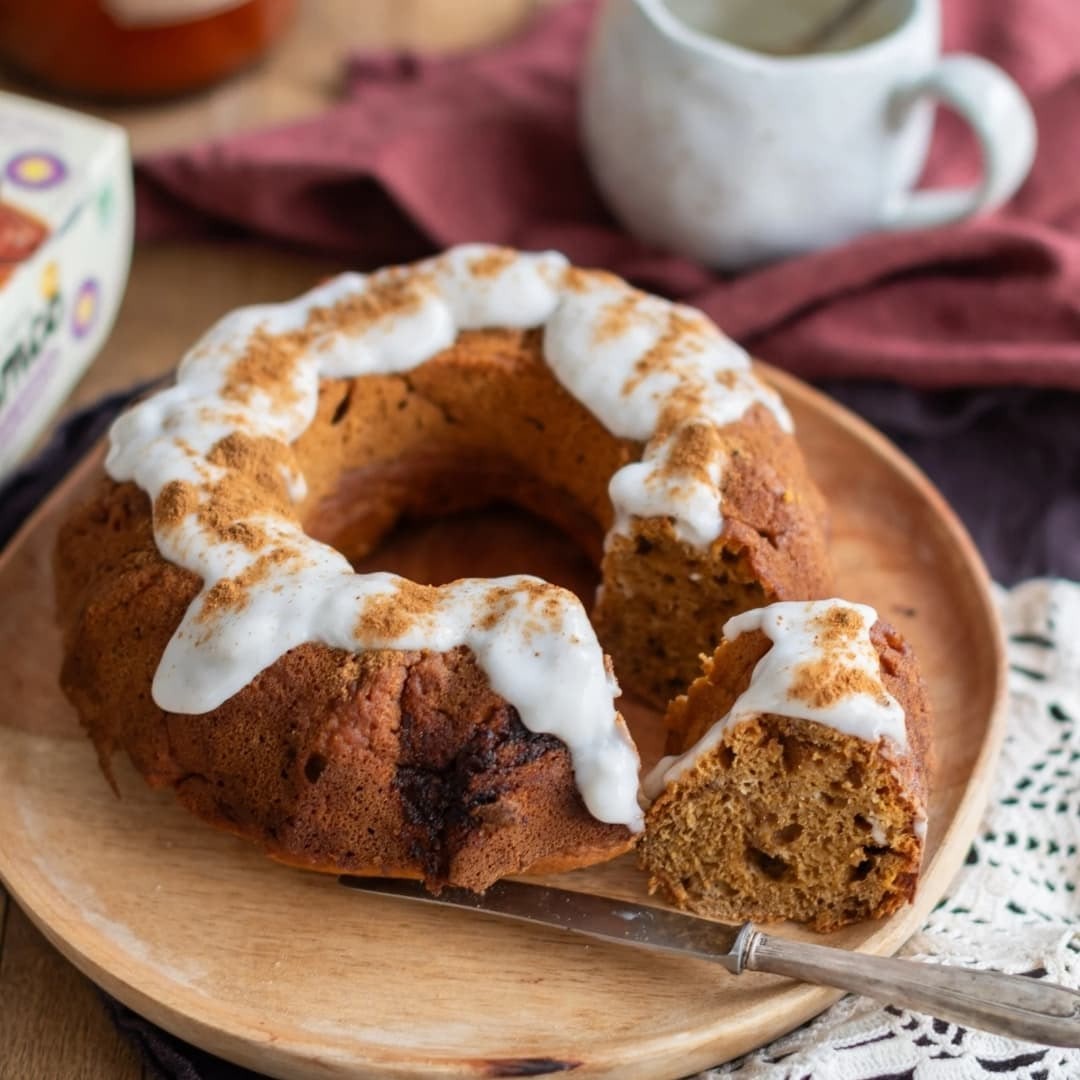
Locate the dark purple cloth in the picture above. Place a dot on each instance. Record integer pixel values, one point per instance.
(1007, 459)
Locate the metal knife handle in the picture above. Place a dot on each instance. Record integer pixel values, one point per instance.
(1005, 1004)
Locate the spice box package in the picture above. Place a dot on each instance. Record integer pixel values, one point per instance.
(66, 222)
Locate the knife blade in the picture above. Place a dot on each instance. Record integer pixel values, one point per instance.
(1012, 1005)
(582, 913)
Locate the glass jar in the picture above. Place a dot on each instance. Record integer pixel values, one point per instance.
(127, 50)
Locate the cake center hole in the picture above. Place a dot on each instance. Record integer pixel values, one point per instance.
(495, 541)
(445, 512)
(456, 517)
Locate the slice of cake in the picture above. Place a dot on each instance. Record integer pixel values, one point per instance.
(799, 790)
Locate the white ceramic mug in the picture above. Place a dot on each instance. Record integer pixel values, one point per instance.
(736, 156)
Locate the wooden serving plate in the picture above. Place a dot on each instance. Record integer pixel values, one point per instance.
(288, 973)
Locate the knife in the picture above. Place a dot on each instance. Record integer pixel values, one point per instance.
(1012, 1005)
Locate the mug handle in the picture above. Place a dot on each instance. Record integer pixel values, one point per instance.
(999, 114)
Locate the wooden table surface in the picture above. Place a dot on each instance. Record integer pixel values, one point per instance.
(52, 1023)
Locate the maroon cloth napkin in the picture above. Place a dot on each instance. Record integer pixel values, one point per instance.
(429, 151)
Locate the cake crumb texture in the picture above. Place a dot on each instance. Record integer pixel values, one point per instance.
(789, 818)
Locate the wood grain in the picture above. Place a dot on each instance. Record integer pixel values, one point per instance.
(286, 972)
(36, 982)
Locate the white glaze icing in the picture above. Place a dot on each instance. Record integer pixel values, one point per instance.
(651, 487)
(644, 354)
(542, 657)
(797, 631)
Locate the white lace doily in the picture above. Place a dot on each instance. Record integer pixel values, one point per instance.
(1014, 906)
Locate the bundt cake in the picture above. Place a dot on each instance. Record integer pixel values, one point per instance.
(800, 789)
(215, 630)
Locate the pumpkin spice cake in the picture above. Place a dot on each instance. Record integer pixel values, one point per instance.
(216, 632)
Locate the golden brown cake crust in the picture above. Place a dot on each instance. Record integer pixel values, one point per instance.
(788, 818)
(772, 547)
(384, 762)
(408, 763)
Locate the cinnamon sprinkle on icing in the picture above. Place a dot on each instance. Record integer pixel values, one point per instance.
(259, 458)
(577, 280)
(392, 615)
(821, 684)
(389, 296)
(685, 332)
(497, 605)
(694, 449)
(268, 363)
(821, 666)
(175, 501)
(213, 453)
(229, 505)
(233, 594)
(824, 681)
(616, 318)
(836, 627)
(492, 263)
